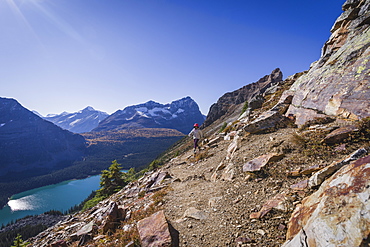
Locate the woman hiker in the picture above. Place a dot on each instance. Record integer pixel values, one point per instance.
(197, 135)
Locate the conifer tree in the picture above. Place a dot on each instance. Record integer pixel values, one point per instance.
(18, 242)
(111, 180)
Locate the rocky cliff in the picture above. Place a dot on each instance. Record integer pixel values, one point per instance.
(230, 101)
(338, 83)
(262, 181)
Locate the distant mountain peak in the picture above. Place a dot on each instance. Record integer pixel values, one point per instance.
(89, 108)
(78, 122)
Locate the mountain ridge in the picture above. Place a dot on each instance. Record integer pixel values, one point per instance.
(179, 114)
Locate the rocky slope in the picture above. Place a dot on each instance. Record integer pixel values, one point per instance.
(227, 195)
(262, 181)
(78, 122)
(179, 115)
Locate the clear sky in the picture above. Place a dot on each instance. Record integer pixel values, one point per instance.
(64, 55)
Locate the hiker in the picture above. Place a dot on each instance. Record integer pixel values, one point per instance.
(197, 135)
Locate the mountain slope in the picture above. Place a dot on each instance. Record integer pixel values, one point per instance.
(179, 115)
(33, 145)
(78, 122)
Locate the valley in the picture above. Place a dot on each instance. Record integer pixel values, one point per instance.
(132, 147)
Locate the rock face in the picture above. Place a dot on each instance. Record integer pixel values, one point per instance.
(31, 145)
(179, 115)
(338, 213)
(270, 119)
(338, 83)
(78, 122)
(246, 93)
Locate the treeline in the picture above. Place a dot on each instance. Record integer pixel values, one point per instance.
(7, 238)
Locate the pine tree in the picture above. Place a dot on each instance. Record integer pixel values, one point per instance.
(111, 180)
(18, 242)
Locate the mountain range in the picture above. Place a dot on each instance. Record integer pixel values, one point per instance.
(179, 115)
(78, 122)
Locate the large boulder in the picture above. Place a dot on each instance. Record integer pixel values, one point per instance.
(338, 83)
(155, 231)
(338, 214)
(112, 216)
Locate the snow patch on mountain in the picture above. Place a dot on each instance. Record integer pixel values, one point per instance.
(75, 122)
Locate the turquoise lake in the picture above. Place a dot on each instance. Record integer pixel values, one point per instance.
(61, 196)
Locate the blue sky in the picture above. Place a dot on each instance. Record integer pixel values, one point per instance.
(64, 55)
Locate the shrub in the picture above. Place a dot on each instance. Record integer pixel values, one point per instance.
(245, 107)
(93, 202)
(222, 127)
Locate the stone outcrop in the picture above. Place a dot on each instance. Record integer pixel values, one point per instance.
(320, 176)
(338, 213)
(228, 101)
(271, 119)
(337, 84)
